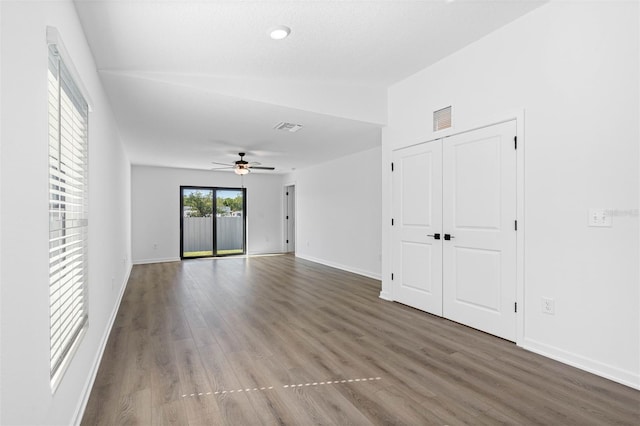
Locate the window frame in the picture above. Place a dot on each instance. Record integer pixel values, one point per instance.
(68, 190)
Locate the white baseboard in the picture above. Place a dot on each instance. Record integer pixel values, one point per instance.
(161, 260)
(77, 418)
(362, 272)
(386, 296)
(177, 259)
(266, 253)
(627, 378)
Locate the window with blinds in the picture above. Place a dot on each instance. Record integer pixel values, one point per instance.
(68, 213)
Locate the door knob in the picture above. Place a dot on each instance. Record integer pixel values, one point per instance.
(435, 236)
(448, 237)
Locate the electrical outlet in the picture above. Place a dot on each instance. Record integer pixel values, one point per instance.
(600, 218)
(548, 306)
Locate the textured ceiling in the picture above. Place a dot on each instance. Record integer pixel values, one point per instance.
(192, 82)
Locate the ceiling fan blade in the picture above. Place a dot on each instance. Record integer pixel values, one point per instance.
(223, 168)
(261, 167)
(222, 164)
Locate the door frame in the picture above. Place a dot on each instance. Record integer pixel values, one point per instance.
(214, 189)
(519, 116)
(284, 216)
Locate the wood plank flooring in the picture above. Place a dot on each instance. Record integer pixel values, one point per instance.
(279, 340)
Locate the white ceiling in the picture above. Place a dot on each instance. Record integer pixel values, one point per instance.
(193, 82)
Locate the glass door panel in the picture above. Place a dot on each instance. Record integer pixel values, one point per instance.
(230, 222)
(197, 222)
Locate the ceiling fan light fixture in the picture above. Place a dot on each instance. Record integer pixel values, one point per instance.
(280, 32)
(241, 170)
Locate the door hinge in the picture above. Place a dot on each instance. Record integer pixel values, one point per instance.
(391, 277)
(287, 217)
(391, 166)
(515, 142)
(391, 222)
(287, 241)
(515, 307)
(515, 225)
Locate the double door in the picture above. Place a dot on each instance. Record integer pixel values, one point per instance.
(454, 233)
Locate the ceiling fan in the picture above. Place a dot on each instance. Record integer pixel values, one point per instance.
(241, 167)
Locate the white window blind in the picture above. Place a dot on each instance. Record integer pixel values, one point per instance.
(68, 213)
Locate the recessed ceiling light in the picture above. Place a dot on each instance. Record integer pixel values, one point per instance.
(279, 32)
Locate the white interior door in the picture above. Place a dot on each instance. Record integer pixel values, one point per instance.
(479, 212)
(417, 215)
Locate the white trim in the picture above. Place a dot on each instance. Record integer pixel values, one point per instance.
(283, 212)
(627, 378)
(161, 260)
(358, 271)
(385, 295)
(86, 392)
(66, 362)
(521, 233)
(53, 37)
(249, 254)
(388, 286)
(177, 259)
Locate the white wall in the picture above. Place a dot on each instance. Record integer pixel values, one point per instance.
(338, 209)
(1, 180)
(156, 209)
(25, 392)
(573, 67)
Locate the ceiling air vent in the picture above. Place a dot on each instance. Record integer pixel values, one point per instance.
(289, 127)
(442, 119)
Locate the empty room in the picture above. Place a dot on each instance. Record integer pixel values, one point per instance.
(411, 212)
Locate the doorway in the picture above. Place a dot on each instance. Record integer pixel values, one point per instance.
(212, 221)
(454, 237)
(290, 218)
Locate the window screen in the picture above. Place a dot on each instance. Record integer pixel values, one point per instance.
(68, 213)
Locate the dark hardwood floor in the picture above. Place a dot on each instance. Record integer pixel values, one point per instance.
(279, 340)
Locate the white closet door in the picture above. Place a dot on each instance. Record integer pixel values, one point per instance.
(479, 212)
(417, 213)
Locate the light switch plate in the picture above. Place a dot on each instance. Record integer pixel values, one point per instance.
(600, 218)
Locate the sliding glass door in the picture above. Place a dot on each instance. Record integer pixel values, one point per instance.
(200, 234)
(230, 222)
